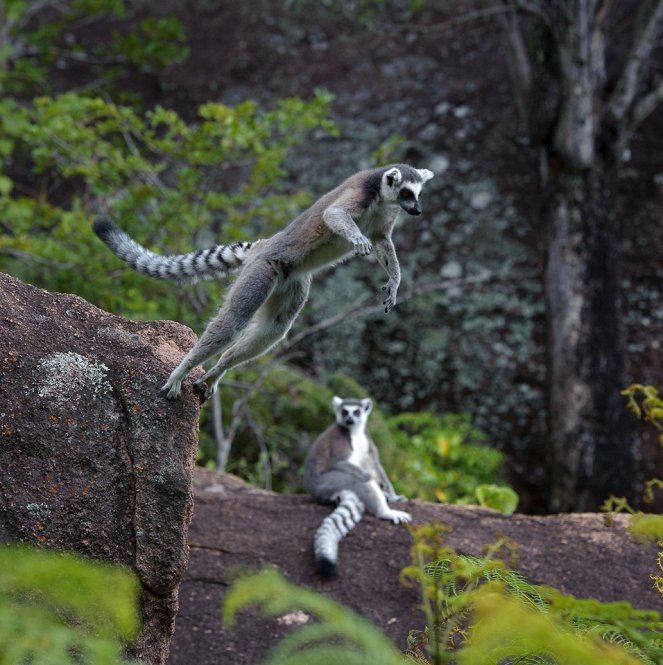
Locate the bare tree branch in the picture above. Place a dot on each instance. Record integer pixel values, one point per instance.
(518, 61)
(646, 106)
(647, 29)
(468, 17)
(360, 308)
(224, 441)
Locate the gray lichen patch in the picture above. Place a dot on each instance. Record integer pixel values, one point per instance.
(62, 377)
(119, 334)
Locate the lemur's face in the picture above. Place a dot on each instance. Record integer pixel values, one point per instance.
(351, 413)
(408, 198)
(405, 190)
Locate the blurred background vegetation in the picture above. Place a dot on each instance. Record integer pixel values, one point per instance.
(220, 121)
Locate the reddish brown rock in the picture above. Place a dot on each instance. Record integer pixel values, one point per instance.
(92, 458)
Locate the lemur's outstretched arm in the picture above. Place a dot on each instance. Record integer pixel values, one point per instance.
(382, 478)
(340, 222)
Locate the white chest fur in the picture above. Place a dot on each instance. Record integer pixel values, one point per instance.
(360, 446)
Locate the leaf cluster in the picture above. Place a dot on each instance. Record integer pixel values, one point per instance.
(645, 403)
(102, 39)
(441, 457)
(59, 609)
(478, 610)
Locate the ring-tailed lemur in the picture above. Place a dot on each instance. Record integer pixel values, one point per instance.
(275, 273)
(343, 466)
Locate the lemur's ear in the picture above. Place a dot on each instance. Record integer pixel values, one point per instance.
(367, 405)
(336, 402)
(393, 177)
(425, 174)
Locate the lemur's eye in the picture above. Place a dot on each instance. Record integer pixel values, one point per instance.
(357, 412)
(344, 412)
(406, 194)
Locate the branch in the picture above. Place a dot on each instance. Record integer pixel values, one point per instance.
(646, 106)
(495, 10)
(518, 61)
(239, 409)
(644, 41)
(360, 308)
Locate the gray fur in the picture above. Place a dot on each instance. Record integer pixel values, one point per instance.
(275, 274)
(336, 471)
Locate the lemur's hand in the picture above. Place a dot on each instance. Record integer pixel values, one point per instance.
(391, 288)
(395, 498)
(362, 244)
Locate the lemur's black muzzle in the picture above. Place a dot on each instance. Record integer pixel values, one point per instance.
(414, 209)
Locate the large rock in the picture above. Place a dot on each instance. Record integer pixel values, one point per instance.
(236, 527)
(92, 458)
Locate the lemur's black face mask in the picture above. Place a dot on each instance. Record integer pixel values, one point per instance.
(408, 201)
(350, 416)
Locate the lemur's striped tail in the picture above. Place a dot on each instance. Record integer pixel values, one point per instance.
(210, 263)
(346, 515)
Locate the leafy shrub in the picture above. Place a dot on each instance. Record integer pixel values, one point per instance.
(440, 458)
(478, 611)
(503, 499)
(58, 609)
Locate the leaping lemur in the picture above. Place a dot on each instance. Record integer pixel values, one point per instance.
(343, 466)
(275, 273)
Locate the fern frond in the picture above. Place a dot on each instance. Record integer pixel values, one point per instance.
(338, 635)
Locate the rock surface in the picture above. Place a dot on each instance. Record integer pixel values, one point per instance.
(235, 526)
(92, 459)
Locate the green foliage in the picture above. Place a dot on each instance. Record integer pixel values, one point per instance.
(440, 457)
(176, 185)
(646, 528)
(286, 414)
(59, 609)
(38, 38)
(148, 170)
(336, 636)
(479, 611)
(505, 631)
(503, 499)
(649, 407)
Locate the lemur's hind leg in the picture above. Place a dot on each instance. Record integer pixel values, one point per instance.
(268, 326)
(368, 492)
(252, 288)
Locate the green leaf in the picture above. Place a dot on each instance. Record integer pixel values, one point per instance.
(503, 499)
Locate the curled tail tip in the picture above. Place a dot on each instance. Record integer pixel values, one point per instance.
(103, 227)
(327, 569)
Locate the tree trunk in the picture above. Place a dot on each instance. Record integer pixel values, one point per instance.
(590, 457)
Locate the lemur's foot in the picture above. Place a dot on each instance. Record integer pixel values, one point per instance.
(171, 392)
(390, 301)
(205, 391)
(397, 516)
